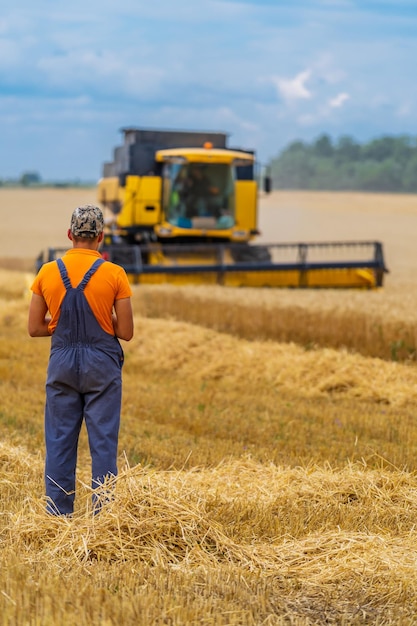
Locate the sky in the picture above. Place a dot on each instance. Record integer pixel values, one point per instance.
(266, 72)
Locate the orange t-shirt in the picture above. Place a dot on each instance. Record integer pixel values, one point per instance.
(108, 284)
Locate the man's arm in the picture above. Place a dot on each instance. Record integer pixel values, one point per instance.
(38, 322)
(123, 319)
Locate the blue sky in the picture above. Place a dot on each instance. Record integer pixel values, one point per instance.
(267, 72)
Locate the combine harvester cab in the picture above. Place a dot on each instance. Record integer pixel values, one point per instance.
(181, 207)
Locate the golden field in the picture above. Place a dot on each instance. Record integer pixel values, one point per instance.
(267, 451)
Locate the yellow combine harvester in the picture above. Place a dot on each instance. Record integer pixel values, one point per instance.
(181, 207)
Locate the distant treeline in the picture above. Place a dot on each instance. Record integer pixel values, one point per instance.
(34, 180)
(386, 164)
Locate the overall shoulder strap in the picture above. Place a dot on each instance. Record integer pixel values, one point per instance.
(64, 274)
(89, 273)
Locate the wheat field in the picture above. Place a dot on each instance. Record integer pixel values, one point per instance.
(267, 451)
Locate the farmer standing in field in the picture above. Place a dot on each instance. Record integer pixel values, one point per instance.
(84, 303)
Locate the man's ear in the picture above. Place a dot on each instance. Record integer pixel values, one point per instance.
(100, 237)
(69, 234)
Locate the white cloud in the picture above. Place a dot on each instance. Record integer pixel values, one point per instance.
(294, 88)
(339, 100)
(325, 67)
(404, 110)
(307, 119)
(106, 72)
(9, 54)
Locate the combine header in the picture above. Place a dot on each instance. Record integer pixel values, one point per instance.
(181, 207)
(354, 265)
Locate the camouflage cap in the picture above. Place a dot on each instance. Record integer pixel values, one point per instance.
(87, 221)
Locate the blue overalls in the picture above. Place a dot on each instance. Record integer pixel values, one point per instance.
(83, 381)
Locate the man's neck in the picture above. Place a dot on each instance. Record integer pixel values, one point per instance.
(88, 244)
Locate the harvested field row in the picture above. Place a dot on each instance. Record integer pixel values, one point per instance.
(192, 390)
(240, 542)
(374, 324)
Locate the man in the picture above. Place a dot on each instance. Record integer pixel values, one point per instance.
(199, 192)
(84, 303)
